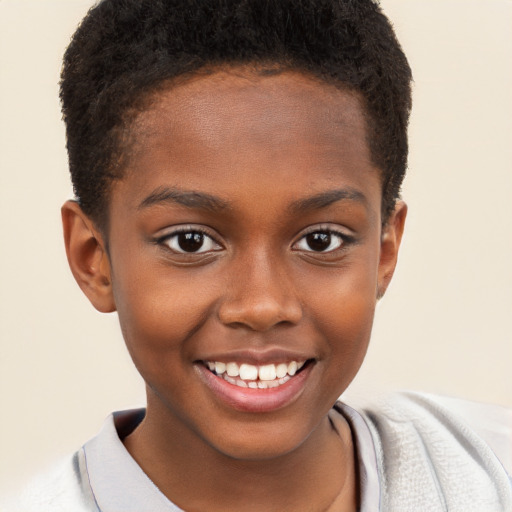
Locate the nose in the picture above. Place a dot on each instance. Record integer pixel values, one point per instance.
(259, 295)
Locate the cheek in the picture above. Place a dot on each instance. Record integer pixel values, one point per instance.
(343, 307)
(159, 313)
(348, 326)
(348, 333)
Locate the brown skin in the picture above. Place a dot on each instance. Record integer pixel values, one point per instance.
(262, 147)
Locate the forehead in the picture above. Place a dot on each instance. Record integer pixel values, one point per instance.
(237, 126)
(278, 100)
(216, 102)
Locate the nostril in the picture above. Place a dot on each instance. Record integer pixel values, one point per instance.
(260, 315)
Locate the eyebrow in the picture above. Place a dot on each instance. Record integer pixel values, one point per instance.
(324, 199)
(188, 198)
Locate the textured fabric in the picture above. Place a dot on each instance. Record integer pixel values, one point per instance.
(413, 454)
(431, 461)
(491, 422)
(64, 489)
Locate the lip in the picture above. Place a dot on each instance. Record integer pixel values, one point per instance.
(258, 358)
(255, 400)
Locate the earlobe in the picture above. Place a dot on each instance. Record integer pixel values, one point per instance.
(390, 244)
(87, 257)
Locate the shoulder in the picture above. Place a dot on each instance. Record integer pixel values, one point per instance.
(492, 423)
(62, 489)
(437, 449)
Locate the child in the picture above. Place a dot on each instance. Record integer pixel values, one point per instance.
(237, 167)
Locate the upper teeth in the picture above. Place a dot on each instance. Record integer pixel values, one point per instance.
(249, 372)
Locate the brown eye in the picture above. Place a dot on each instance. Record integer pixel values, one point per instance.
(320, 241)
(191, 242)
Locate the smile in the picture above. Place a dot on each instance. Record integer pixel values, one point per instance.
(256, 388)
(256, 377)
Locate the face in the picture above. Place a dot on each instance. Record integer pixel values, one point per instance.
(245, 257)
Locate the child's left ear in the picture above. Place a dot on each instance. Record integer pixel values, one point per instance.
(391, 237)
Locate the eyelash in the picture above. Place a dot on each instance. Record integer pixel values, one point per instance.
(188, 230)
(343, 239)
(168, 238)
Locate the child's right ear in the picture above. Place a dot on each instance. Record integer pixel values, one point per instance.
(87, 257)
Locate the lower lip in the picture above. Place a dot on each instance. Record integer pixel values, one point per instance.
(256, 400)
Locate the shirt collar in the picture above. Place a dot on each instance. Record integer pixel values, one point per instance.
(117, 481)
(119, 484)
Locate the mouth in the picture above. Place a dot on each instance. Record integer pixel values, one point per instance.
(247, 375)
(255, 388)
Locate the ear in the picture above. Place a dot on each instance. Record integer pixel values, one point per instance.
(87, 257)
(391, 237)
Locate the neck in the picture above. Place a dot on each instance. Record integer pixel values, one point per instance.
(317, 475)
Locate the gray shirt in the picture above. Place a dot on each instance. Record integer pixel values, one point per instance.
(414, 452)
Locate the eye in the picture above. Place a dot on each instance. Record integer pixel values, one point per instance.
(320, 241)
(191, 242)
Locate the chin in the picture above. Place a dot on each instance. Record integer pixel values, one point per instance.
(266, 444)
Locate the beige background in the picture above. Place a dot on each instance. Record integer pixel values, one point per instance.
(444, 325)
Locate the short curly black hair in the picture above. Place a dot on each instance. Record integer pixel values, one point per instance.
(125, 50)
